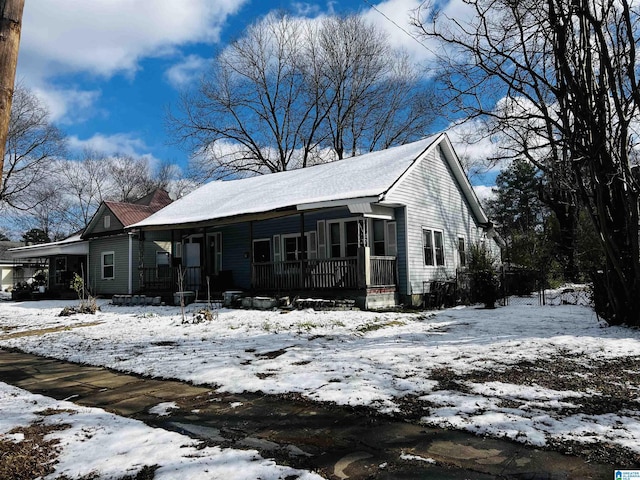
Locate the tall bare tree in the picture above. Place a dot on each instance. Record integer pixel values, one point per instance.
(559, 80)
(292, 92)
(10, 29)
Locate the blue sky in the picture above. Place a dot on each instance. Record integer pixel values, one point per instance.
(109, 69)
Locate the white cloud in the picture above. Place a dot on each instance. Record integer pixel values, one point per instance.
(394, 18)
(484, 192)
(119, 143)
(187, 71)
(63, 103)
(106, 37)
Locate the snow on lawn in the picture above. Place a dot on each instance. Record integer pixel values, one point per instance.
(538, 375)
(89, 439)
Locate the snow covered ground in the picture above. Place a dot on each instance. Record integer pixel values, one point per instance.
(540, 375)
(89, 439)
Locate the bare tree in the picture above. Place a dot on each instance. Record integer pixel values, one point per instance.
(251, 113)
(86, 184)
(558, 80)
(10, 29)
(131, 178)
(374, 96)
(32, 145)
(292, 93)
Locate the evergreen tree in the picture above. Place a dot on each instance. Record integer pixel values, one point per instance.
(520, 214)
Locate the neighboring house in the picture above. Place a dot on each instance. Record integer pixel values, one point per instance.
(376, 227)
(115, 254)
(104, 253)
(11, 271)
(60, 259)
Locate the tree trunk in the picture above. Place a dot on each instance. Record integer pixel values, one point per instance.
(10, 27)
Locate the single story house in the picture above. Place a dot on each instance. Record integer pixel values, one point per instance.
(375, 227)
(12, 272)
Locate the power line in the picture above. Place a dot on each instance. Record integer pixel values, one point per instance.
(413, 37)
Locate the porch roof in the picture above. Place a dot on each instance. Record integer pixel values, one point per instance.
(72, 245)
(367, 176)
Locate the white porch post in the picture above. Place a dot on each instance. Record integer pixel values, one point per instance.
(130, 279)
(364, 254)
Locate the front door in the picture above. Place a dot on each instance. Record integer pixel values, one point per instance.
(191, 261)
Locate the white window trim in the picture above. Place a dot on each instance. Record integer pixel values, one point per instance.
(458, 259)
(284, 236)
(106, 221)
(113, 265)
(433, 248)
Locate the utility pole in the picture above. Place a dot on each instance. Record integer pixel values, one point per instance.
(10, 28)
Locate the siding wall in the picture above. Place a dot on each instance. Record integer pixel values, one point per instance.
(235, 244)
(433, 200)
(119, 244)
(114, 226)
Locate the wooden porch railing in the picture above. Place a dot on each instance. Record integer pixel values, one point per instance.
(306, 274)
(318, 274)
(165, 278)
(383, 271)
(309, 274)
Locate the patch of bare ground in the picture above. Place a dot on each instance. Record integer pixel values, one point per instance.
(31, 457)
(605, 386)
(608, 386)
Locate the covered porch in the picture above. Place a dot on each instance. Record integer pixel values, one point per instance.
(325, 253)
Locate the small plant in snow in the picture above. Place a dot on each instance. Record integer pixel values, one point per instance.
(202, 315)
(87, 301)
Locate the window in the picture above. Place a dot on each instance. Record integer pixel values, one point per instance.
(378, 238)
(292, 250)
(433, 243)
(343, 238)
(462, 252)
(107, 221)
(262, 251)
(351, 244)
(108, 271)
(60, 270)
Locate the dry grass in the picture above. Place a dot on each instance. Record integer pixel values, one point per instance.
(32, 457)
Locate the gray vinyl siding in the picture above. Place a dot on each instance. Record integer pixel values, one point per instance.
(435, 201)
(119, 245)
(401, 238)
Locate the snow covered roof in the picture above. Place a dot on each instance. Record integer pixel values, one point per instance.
(73, 245)
(365, 176)
(128, 213)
